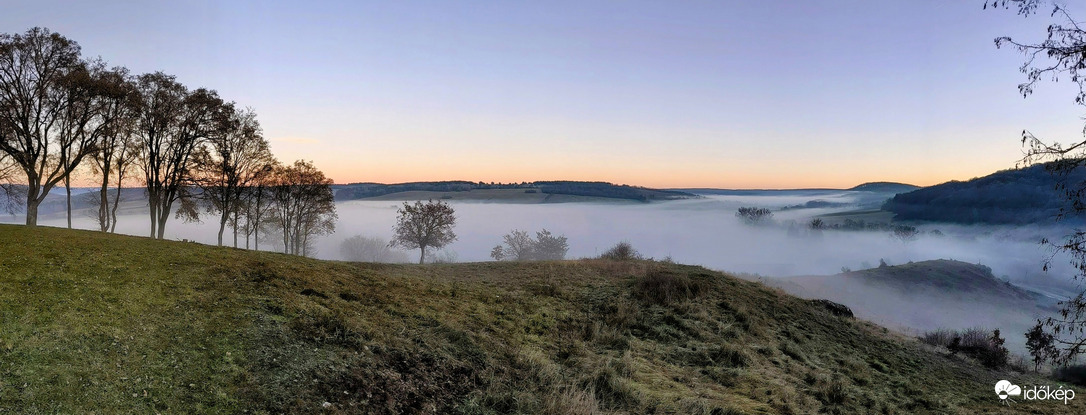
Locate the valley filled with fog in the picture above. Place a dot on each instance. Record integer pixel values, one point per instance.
(701, 231)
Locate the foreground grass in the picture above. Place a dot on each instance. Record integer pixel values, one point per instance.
(93, 323)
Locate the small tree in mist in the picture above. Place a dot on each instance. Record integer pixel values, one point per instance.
(424, 225)
(1041, 346)
(905, 233)
(549, 247)
(754, 215)
(520, 246)
(1060, 56)
(363, 248)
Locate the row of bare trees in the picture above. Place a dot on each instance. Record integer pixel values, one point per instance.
(197, 153)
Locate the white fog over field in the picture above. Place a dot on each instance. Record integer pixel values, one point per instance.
(695, 231)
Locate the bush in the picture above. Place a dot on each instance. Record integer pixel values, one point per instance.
(974, 342)
(622, 251)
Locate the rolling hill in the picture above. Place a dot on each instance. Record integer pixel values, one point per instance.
(534, 192)
(885, 187)
(115, 324)
(1017, 196)
(929, 295)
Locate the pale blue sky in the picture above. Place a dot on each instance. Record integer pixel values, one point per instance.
(671, 94)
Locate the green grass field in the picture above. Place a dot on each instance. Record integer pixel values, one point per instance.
(94, 323)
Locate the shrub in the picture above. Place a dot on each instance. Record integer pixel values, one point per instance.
(622, 251)
(974, 342)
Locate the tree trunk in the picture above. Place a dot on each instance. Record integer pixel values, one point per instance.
(32, 212)
(235, 228)
(103, 203)
(113, 214)
(222, 224)
(68, 194)
(422, 254)
(152, 204)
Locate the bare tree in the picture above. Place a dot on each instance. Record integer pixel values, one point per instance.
(234, 160)
(1060, 56)
(43, 83)
(116, 150)
(303, 206)
(256, 202)
(520, 246)
(172, 123)
(424, 225)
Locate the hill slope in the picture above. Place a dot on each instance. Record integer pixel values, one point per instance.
(885, 187)
(1017, 196)
(534, 192)
(113, 324)
(930, 295)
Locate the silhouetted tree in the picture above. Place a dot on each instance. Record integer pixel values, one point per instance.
(256, 202)
(116, 147)
(1041, 346)
(1060, 56)
(302, 206)
(173, 123)
(234, 159)
(49, 106)
(424, 225)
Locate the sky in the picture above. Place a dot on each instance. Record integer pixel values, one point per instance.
(726, 94)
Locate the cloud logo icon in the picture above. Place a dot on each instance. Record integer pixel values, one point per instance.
(1006, 389)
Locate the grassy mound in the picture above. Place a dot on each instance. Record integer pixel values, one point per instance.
(114, 324)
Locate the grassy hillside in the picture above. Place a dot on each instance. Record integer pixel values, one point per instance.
(95, 323)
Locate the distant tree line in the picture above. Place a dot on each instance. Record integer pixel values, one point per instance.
(193, 152)
(592, 189)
